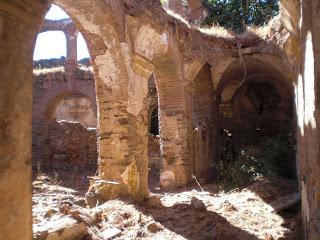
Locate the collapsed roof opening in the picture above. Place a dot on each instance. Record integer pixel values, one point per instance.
(239, 15)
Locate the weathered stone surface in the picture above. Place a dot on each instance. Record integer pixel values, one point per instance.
(54, 98)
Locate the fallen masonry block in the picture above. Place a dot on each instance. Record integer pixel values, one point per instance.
(60, 228)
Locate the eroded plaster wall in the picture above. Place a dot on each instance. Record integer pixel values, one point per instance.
(76, 108)
(307, 100)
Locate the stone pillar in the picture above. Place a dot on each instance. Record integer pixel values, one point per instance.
(175, 123)
(19, 23)
(123, 132)
(308, 112)
(71, 62)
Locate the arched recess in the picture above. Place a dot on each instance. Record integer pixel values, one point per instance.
(68, 142)
(255, 103)
(45, 103)
(75, 99)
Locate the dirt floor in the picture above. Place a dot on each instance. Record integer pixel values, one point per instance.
(189, 213)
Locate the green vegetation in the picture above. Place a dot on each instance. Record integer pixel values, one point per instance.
(238, 14)
(274, 156)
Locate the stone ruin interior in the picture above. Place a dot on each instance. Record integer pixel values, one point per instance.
(168, 131)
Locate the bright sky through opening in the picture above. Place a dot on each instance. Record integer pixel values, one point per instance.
(52, 44)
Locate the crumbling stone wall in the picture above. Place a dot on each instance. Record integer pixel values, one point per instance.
(50, 88)
(71, 146)
(56, 85)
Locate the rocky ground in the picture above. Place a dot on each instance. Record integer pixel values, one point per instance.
(189, 213)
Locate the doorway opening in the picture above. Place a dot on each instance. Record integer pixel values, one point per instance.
(154, 155)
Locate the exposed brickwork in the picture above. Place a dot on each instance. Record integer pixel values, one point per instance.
(71, 145)
(49, 89)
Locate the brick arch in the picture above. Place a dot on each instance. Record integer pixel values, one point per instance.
(55, 101)
(119, 146)
(121, 143)
(157, 51)
(258, 68)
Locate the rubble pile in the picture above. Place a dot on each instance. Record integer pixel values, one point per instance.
(208, 213)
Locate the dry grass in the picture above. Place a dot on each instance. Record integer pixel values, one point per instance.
(263, 32)
(217, 31)
(41, 71)
(85, 68)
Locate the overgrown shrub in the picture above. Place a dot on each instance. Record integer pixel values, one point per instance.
(274, 156)
(237, 15)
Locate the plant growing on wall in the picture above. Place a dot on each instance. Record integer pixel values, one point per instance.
(238, 14)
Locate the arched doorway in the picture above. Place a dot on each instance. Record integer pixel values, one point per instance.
(154, 154)
(256, 122)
